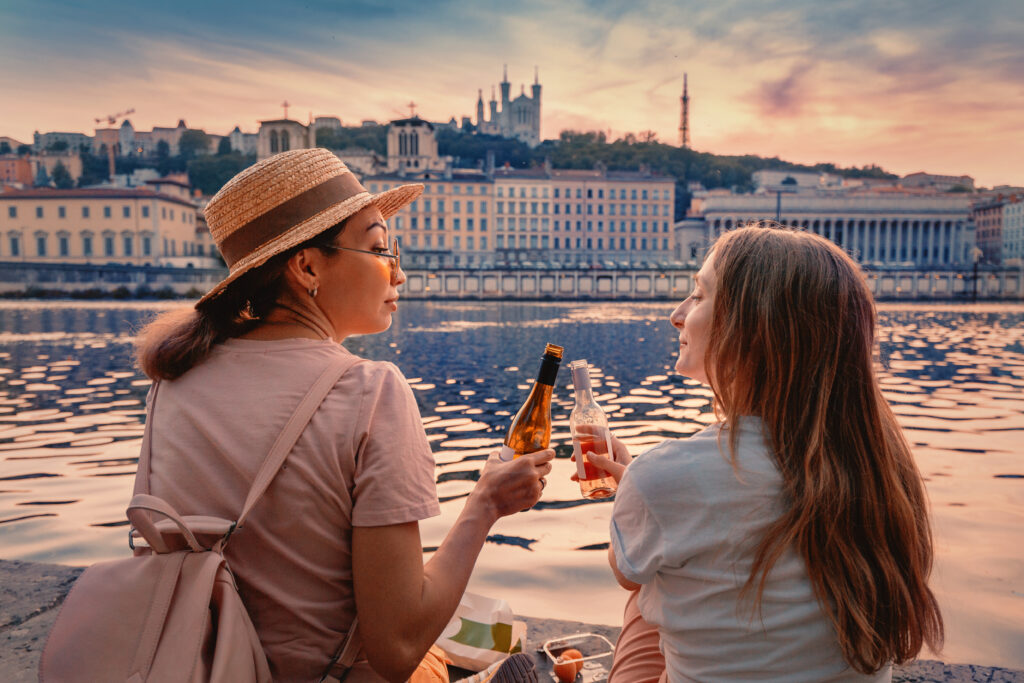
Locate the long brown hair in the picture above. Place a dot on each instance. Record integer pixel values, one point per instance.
(793, 325)
(176, 341)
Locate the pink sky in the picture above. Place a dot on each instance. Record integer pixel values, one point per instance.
(907, 88)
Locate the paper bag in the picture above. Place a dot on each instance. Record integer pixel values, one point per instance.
(482, 632)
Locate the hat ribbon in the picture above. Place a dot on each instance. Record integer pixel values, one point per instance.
(278, 220)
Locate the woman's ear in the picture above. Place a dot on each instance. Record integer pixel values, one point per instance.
(304, 269)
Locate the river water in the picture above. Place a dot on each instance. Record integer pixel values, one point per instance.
(72, 407)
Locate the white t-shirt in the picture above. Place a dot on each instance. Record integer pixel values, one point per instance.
(685, 526)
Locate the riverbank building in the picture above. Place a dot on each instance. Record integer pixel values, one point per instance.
(155, 225)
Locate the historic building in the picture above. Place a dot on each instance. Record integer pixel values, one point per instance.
(939, 183)
(989, 215)
(1013, 231)
(886, 228)
(510, 216)
(516, 118)
(156, 225)
(412, 148)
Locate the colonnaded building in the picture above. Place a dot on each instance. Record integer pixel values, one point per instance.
(157, 225)
(876, 227)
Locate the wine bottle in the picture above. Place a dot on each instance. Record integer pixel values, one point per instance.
(590, 434)
(531, 427)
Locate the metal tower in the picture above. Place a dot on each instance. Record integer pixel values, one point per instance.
(684, 118)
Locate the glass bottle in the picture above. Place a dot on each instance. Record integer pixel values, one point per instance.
(590, 434)
(531, 427)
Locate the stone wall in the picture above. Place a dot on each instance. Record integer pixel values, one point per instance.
(887, 284)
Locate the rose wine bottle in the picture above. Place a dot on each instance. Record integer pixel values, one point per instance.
(531, 427)
(590, 434)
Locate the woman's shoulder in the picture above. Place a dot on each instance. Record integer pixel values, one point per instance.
(702, 455)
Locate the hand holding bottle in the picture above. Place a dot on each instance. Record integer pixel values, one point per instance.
(509, 486)
(615, 467)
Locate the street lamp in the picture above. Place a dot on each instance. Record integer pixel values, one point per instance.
(976, 255)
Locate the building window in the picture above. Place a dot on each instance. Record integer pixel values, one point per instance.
(39, 212)
(12, 212)
(126, 211)
(483, 242)
(500, 239)
(147, 246)
(15, 246)
(469, 224)
(62, 212)
(106, 212)
(457, 223)
(40, 245)
(483, 224)
(62, 245)
(108, 246)
(285, 141)
(458, 242)
(127, 245)
(87, 245)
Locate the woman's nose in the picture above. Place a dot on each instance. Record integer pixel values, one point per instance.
(678, 315)
(399, 276)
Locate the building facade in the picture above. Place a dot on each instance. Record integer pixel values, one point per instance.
(874, 228)
(1013, 231)
(939, 183)
(987, 215)
(517, 118)
(152, 226)
(412, 148)
(72, 141)
(510, 217)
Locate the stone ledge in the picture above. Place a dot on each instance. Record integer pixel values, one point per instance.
(30, 593)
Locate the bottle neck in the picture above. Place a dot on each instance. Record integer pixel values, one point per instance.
(548, 371)
(581, 385)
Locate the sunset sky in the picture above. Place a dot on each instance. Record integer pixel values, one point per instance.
(914, 85)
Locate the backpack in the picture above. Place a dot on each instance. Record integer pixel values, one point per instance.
(172, 612)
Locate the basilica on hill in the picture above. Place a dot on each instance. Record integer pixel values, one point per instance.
(517, 118)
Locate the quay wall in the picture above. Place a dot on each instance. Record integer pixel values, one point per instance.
(887, 284)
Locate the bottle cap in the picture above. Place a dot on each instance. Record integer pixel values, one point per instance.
(554, 350)
(580, 374)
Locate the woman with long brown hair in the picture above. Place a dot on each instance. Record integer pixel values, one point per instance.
(790, 540)
(336, 533)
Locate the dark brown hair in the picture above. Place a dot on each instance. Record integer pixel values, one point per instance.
(176, 341)
(794, 329)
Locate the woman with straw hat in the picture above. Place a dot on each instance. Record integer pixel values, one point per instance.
(310, 263)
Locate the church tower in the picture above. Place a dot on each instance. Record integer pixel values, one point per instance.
(480, 109)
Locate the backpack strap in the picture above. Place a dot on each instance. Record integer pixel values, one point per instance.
(145, 454)
(278, 452)
(293, 430)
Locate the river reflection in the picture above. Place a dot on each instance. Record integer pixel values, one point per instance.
(72, 406)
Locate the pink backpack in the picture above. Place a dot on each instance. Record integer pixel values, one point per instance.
(173, 612)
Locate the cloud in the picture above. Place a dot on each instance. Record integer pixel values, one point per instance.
(785, 97)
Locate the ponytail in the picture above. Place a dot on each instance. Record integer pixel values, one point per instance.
(177, 341)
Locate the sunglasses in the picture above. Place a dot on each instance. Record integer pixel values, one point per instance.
(393, 256)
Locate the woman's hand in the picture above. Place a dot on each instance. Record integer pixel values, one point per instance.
(615, 467)
(507, 487)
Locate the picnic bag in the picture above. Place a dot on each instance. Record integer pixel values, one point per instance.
(172, 612)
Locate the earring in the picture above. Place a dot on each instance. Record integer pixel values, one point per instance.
(312, 292)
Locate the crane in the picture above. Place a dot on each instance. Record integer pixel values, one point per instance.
(111, 119)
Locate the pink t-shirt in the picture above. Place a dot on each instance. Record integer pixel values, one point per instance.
(363, 460)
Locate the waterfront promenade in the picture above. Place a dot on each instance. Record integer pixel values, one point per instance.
(32, 594)
(597, 282)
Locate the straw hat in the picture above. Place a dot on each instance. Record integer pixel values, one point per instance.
(283, 201)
